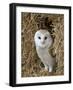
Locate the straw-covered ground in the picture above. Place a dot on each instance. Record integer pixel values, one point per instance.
(31, 65)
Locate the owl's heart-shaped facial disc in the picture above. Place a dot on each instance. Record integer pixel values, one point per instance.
(43, 38)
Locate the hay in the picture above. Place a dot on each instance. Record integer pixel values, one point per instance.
(31, 65)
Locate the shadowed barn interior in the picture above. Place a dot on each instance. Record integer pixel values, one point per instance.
(31, 65)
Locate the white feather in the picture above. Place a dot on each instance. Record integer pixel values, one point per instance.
(43, 41)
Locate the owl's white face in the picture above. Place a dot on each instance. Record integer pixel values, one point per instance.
(43, 39)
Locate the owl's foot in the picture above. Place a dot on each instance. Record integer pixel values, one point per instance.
(50, 68)
(46, 68)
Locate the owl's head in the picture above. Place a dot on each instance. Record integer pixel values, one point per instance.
(43, 39)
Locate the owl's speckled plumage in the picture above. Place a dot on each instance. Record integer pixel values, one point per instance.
(43, 41)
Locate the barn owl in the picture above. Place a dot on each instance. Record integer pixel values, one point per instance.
(43, 42)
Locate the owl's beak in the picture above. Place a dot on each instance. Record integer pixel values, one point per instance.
(43, 42)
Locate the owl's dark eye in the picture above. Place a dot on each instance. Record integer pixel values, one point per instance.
(45, 38)
(39, 37)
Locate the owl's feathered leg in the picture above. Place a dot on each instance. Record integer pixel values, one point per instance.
(50, 68)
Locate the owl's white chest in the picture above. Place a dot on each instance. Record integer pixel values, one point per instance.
(44, 55)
